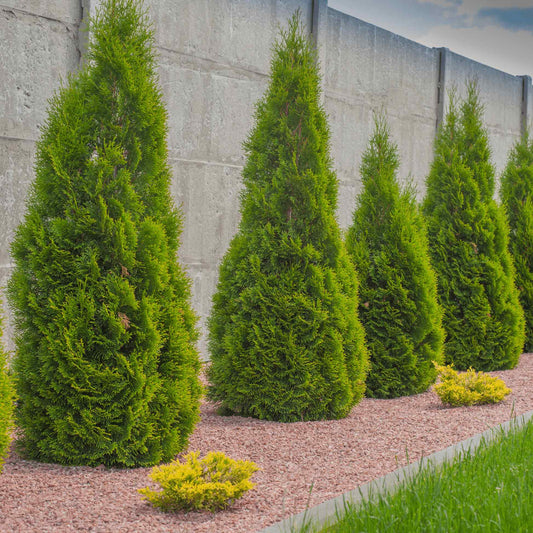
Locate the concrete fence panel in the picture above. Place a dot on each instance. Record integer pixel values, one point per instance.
(214, 58)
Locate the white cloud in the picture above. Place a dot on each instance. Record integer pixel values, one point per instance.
(441, 3)
(495, 46)
(472, 7)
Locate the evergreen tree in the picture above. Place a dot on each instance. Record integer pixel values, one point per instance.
(517, 198)
(6, 405)
(398, 289)
(469, 238)
(106, 366)
(285, 339)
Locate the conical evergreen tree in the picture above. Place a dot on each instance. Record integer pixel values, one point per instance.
(106, 366)
(469, 238)
(517, 198)
(398, 289)
(285, 339)
(6, 404)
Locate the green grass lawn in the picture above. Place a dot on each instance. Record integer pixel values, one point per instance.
(489, 489)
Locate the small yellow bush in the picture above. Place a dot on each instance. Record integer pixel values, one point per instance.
(468, 388)
(211, 483)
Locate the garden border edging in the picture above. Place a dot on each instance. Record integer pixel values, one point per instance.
(318, 514)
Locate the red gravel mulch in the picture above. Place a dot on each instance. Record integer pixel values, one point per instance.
(330, 456)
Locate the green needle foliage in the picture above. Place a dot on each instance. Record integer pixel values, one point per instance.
(285, 339)
(107, 372)
(517, 197)
(6, 405)
(398, 289)
(469, 237)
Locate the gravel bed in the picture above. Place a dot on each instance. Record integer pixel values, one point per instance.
(303, 463)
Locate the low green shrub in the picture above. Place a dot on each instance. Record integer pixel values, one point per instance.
(211, 483)
(468, 388)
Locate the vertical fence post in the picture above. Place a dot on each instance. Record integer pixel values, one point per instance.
(441, 85)
(88, 10)
(526, 99)
(319, 27)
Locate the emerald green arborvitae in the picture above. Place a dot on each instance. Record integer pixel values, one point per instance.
(107, 371)
(398, 289)
(517, 197)
(6, 404)
(469, 236)
(285, 339)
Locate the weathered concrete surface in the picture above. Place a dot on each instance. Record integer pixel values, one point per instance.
(16, 168)
(209, 197)
(39, 48)
(65, 11)
(16, 164)
(214, 58)
(529, 107)
(236, 33)
(501, 95)
(370, 70)
(40, 53)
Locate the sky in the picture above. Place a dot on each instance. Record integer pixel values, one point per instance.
(498, 33)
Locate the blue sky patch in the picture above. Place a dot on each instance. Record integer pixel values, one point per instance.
(511, 18)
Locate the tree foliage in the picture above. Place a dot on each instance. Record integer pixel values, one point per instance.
(398, 289)
(6, 405)
(106, 365)
(517, 198)
(469, 237)
(285, 339)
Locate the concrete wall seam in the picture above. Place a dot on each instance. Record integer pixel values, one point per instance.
(526, 98)
(441, 86)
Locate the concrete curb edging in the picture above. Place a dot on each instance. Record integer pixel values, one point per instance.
(318, 514)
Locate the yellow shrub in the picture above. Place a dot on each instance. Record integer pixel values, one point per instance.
(210, 483)
(468, 388)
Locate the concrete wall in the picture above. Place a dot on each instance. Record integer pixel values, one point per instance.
(369, 69)
(214, 58)
(214, 62)
(501, 95)
(39, 46)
